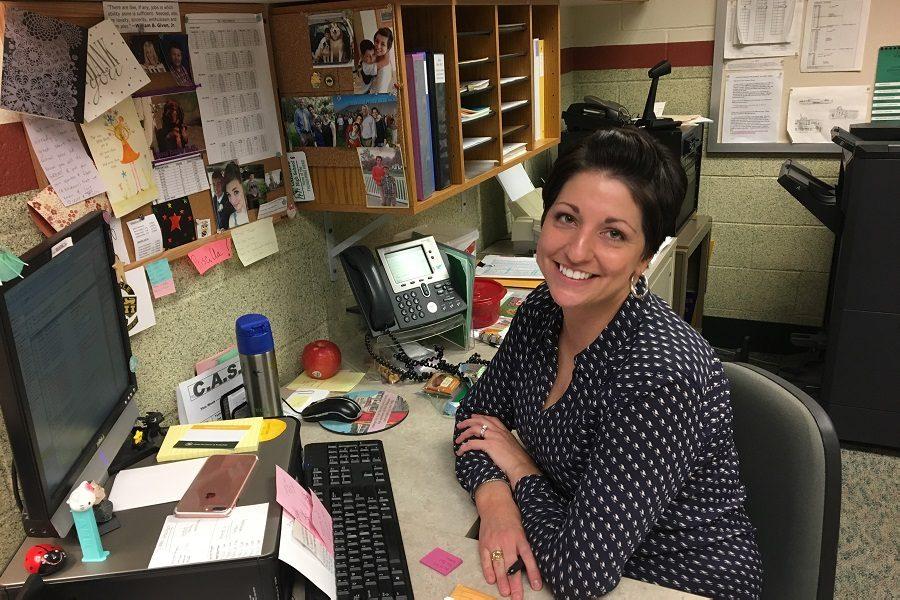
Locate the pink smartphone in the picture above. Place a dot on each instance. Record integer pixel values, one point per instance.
(216, 488)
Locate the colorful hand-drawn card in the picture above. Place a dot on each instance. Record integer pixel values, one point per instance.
(112, 73)
(43, 66)
(176, 221)
(50, 215)
(122, 156)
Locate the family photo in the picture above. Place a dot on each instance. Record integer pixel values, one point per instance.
(366, 121)
(308, 122)
(228, 196)
(177, 128)
(331, 39)
(374, 69)
(383, 176)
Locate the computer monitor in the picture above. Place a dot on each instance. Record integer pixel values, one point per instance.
(66, 387)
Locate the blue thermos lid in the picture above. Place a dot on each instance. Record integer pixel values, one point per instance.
(254, 335)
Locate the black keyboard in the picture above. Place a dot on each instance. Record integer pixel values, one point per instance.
(351, 479)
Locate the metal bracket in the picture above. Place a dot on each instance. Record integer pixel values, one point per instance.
(333, 250)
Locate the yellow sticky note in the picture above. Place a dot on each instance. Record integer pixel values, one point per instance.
(342, 381)
(461, 592)
(255, 241)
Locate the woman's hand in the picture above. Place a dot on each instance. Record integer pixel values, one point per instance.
(501, 529)
(481, 432)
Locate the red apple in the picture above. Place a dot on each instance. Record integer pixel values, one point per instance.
(321, 359)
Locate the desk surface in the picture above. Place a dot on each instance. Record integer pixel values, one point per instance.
(432, 507)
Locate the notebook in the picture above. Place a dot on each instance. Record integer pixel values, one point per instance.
(206, 439)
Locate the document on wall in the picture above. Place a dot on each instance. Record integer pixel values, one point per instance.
(143, 17)
(752, 107)
(189, 541)
(813, 111)
(255, 241)
(735, 49)
(139, 313)
(180, 178)
(146, 236)
(112, 71)
(834, 36)
(764, 21)
(237, 104)
(62, 156)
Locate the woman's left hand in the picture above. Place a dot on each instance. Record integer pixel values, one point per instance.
(482, 432)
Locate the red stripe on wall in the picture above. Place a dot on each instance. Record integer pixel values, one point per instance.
(637, 56)
(16, 169)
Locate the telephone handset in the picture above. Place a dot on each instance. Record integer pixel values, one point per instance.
(401, 286)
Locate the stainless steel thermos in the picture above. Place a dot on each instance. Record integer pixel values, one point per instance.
(257, 351)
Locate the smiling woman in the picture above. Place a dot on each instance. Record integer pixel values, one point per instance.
(627, 464)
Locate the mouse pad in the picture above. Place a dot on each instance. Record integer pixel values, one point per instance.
(380, 411)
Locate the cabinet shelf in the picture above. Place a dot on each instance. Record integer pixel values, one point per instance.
(485, 60)
(472, 33)
(511, 129)
(469, 93)
(470, 143)
(511, 27)
(512, 55)
(505, 107)
(465, 121)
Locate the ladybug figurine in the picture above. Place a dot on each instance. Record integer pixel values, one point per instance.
(44, 559)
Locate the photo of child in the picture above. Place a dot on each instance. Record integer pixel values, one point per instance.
(308, 122)
(177, 129)
(228, 197)
(375, 72)
(331, 39)
(383, 177)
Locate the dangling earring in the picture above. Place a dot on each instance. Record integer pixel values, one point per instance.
(634, 287)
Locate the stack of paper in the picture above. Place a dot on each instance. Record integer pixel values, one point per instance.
(471, 142)
(513, 150)
(206, 439)
(470, 114)
(511, 271)
(505, 106)
(471, 86)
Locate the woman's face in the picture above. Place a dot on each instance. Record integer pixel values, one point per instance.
(236, 195)
(591, 242)
(381, 45)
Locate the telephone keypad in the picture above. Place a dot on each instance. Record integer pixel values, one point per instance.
(427, 303)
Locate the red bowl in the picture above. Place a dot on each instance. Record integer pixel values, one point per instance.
(486, 300)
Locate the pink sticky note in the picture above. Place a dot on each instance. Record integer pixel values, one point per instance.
(441, 561)
(321, 521)
(208, 256)
(292, 496)
(164, 288)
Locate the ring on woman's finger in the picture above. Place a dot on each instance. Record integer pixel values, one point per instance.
(483, 430)
(496, 554)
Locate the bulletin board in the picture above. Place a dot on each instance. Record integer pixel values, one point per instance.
(86, 14)
(882, 30)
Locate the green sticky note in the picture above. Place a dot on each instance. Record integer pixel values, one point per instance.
(159, 271)
(10, 266)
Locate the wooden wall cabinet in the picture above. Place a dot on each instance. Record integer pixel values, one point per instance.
(480, 40)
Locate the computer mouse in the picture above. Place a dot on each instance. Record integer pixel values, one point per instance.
(338, 408)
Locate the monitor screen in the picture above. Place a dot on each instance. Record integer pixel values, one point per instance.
(67, 335)
(408, 264)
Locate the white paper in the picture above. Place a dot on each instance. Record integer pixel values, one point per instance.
(148, 486)
(292, 552)
(813, 111)
(180, 178)
(255, 241)
(301, 181)
(508, 267)
(118, 240)
(146, 236)
(300, 399)
(752, 106)
(515, 182)
(734, 49)
(189, 541)
(112, 71)
(140, 316)
(834, 36)
(62, 156)
(199, 397)
(213, 435)
(276, 206)
(143, 17)
(237, 104)
(764, 21)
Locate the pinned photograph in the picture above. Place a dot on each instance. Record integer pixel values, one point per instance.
(375, 65)
(366, 121)
(331, 39)
(308, 122)
(147, 51)
(383, 176)
(255, 188)
(177, 58)
(274, 180)
(177, 128)
(228, 197)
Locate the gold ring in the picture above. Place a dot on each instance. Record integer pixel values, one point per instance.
(497, 555)
(481, 433)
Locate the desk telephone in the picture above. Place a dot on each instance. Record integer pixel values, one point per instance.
(407, 286)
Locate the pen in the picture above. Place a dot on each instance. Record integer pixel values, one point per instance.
(516, 567)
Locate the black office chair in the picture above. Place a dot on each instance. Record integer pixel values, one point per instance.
(791, 465)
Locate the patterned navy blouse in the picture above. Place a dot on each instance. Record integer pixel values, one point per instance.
(640, 472)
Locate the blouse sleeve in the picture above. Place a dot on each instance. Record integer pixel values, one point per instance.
(493, 395)
(642, 456)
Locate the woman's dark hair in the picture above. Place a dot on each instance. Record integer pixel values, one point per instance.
(654, 177)
(232, 173)
(387, 34)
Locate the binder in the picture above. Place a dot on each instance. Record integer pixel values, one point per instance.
(420, 117)
(437, 101)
